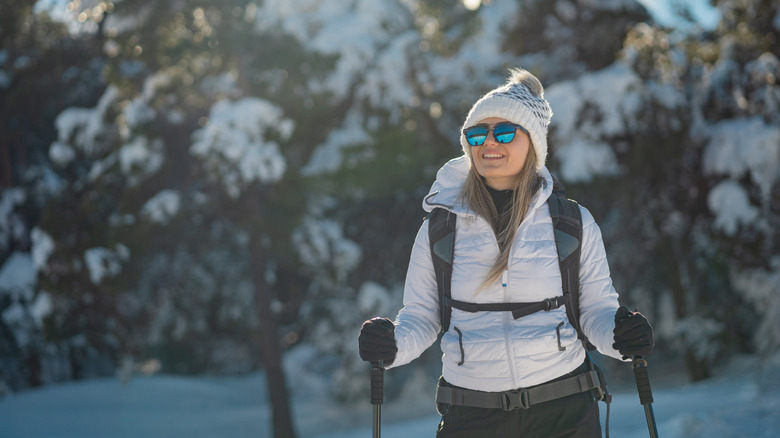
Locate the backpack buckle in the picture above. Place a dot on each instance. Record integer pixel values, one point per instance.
(551, 303)
(598, 394)
(512, 400)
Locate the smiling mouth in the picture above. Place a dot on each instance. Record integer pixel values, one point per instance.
(489, 156)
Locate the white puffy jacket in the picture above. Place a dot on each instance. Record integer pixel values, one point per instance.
(491, 351)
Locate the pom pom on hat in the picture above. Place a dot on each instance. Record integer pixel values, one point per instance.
(521, 101)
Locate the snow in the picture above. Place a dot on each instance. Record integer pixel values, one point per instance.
(372, 40)
(739, 146)
(17, 272)
(137, 111)
(353, 30)
(115, 24)
(611, 90)
(154, 82)
(329, 155)
(234, 146)
(41, 307)
(703, 12)
(479, 55)
(141, 155)
(583, 159)
(105, 262)
(42, 247)
(586, 112)
(322, 247)
(742, 401)
(100, 167)
(766, 64)
(731, 205)
(162, 207)
(386, 84)
(81, 127)
(60, 153)
(375, 299)
(22, 306)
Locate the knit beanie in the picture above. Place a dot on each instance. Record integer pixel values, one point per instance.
(521, 101)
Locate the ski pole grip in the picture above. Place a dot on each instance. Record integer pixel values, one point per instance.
(377, 383)
(642, 380)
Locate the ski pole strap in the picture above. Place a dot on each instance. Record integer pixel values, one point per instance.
(642, 380)
(377, 384)
(518, 310)
(520, 398)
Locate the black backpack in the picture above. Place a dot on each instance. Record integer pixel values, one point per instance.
(567, 224)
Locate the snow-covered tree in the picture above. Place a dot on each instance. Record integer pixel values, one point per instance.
(43, 69)
(680, 153)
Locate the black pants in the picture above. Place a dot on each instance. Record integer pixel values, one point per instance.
(575, 416)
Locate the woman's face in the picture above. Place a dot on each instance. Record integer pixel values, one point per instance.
(500, 163)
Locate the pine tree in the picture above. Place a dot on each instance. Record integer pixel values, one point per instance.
(687, 100)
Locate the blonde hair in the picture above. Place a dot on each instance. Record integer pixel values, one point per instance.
(475, 195)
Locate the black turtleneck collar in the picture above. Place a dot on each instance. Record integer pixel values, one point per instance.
(501, 198)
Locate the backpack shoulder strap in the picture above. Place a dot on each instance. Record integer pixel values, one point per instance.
(441, 236)
(567, 225)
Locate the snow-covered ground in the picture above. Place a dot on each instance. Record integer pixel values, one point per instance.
(742, 401)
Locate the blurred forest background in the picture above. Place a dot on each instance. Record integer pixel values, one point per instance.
(201, 186)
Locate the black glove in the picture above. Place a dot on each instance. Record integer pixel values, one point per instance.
(377, 341)
(633, 334)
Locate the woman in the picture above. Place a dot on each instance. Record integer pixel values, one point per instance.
(505, 252)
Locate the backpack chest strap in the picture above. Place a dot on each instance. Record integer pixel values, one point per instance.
(518, 310)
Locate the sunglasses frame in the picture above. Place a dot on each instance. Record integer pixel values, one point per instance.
(491, 129)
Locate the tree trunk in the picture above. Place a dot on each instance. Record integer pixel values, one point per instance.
(6, 167)
(271, 351)
(698, 369)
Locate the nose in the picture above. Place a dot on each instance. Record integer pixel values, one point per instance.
(490, 141)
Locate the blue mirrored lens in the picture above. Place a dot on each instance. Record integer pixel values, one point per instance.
(504, 133)
(476, 135)
(476, 140)
(505, 138)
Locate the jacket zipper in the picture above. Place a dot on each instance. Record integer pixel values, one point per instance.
(508, 329)
(507, 316)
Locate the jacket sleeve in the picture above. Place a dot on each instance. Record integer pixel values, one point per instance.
(598, 298)
(417, 325)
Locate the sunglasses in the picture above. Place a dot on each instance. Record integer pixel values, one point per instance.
(503, 132)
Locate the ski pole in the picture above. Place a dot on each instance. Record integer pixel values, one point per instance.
(639, 364)
(377, 394)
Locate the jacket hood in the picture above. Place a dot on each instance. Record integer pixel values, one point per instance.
(445, 191)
